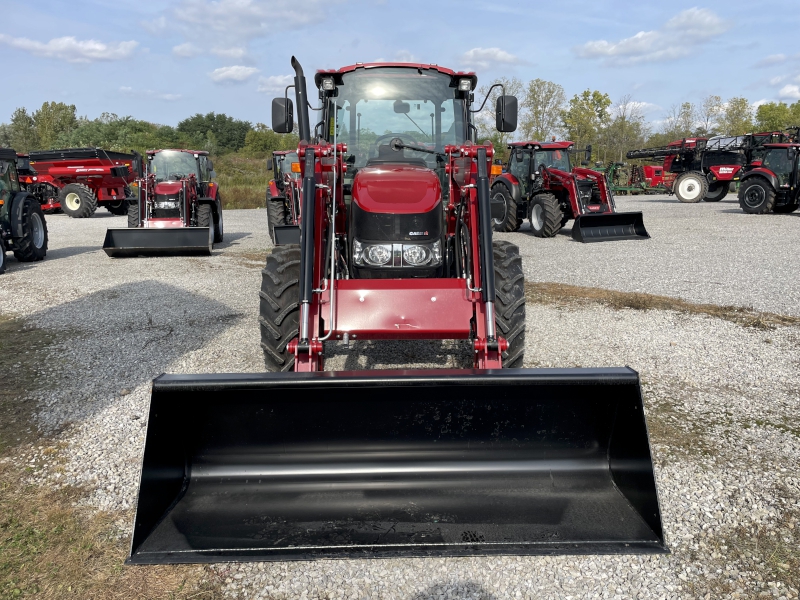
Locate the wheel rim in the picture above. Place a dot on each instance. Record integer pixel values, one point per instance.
(502, 198)
(754, 196)
(689, 188)
(72, 201)
(537, 218)
(37, 230)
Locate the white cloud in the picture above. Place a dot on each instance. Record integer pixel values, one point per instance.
(234, 73)
(187, 50)
(483, 58)
(234, 52)
(73, 50)
(156, 26)
(640, 107)
(130, 91)
(790, 92)
(677, 38)
(758, 103)
(772, 59)
(274, 84)
(778, 80)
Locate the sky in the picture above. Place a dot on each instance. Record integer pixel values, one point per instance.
(166, 60)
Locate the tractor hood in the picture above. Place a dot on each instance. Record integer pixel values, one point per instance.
(396, 189)
(169, 187)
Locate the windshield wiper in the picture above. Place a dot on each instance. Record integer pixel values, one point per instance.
(417, 126)
(397, 144)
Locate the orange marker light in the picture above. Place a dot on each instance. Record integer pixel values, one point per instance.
(296, 167)
(497, 169)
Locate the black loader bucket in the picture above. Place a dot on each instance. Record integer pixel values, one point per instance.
(141, 241)
(395, 463)
(609, 227)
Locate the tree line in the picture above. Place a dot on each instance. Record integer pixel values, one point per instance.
(613, 128)
(56, 125)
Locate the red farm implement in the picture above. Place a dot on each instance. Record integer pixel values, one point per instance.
(542, 185)
(283, 197)
(395, 233)
(78, 180)
(176, 208)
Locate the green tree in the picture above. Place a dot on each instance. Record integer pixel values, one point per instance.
(5, 135)
(262, 141)
(586, 116)
(229, 133)
(52, 120)
(627, 130)
(737, 117)
(774, 116)
(709, 115)
(543, 103)
(23, 131)
(485, 119)
(680, 121)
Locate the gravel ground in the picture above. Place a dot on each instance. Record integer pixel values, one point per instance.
(723, 401)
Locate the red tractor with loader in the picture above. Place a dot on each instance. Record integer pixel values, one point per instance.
(772, 183)
(176, 208)
(283, 193)
(78, 180)
(542, 185)
(297, 463)
(23, 228)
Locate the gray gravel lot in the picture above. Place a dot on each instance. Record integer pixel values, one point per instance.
(723, 400)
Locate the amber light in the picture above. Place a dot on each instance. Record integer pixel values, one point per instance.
(497, 169)
(296, 167)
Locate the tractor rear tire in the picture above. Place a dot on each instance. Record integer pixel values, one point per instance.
(2, 256)
(717, 192)
(205, 218)
(756, 196)
(118, 208)
(134, 218)
(280, 306)
(276, 215)
(545, 215)
(219, 226)
(509, 282)
(32, 246)
(690, 187)
(510, 220)
(77, 200)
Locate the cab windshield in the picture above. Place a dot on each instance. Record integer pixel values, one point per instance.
(284, 163)
(553, 159)
(171, 165)
(373, 106)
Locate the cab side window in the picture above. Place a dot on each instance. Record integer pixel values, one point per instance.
(6, 181)
(521, 169)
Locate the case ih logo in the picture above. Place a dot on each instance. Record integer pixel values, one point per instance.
(726, 170)
(417, 233)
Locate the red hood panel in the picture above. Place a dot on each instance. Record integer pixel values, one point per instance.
(168, 187)
(396, 189)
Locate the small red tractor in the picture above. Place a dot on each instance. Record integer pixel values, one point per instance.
(772, 182)
(395, 233)
(175, 209)
(283, 195)
(78, 180)
(542, 185)
(23, 228)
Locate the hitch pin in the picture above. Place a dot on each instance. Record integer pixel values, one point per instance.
(346, 340)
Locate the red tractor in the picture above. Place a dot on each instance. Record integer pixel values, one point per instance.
(297, 463)
(78, 180)
(772, 183)
(283, 195)
(542, 185)
(176, 208)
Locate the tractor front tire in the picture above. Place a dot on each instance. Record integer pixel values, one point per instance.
(219, 226)
(691, 187)
(509, 282)
(2, 256)
(279, 307)
(545, 215)
(756, 196)
(32, 246)
(205, 218)
(77, 200)
(134, 218)
(276, 215)
(118, 208)
(717, 192)
(510, 220)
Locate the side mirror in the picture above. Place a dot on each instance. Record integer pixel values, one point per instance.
(210, 165)
(270, 164)
(506, 114)
(212, 174)
(282, 115)
(588, 153)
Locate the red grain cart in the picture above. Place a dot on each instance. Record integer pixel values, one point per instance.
(78, 180)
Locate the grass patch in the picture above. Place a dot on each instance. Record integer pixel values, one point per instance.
(562, 294)
(242, 181)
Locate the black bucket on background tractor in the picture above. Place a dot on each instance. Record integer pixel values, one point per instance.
(609, 227)
(279, 466)
(143, 241)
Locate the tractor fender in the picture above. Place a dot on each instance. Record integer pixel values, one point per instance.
(760, 172)
(16, 214)
(511, 183)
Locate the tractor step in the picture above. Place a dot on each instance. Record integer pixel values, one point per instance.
(288, 466)
(141, 241)
(609, 227)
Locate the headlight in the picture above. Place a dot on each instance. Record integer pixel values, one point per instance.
(397, 255)
(378, 255)
(416, 255)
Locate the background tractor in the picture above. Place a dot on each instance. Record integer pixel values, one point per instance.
(772, 183)
(23, 229)
(283, 193)
(78, 180)
(176, 208)
(542, 185)
(395, 234)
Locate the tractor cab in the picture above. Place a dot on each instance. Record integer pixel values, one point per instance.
(284, 165)
(772, 184)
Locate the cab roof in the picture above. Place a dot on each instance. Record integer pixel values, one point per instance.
(201, 152)
(7, 154)
(454, 75)
(564, 145)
